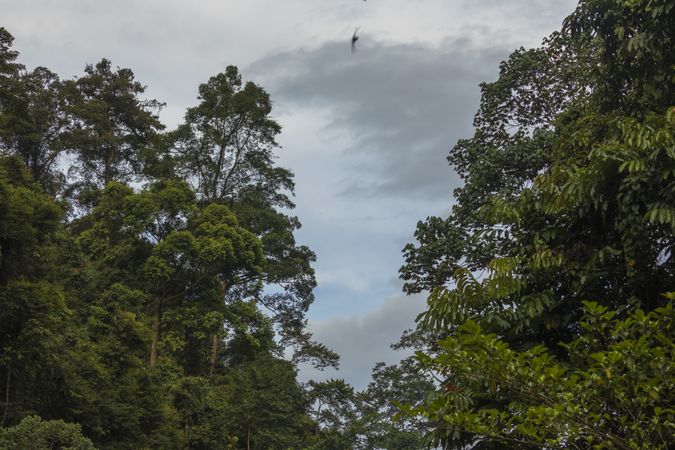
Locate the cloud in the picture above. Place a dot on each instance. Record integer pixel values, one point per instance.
(345, 277)
(535, 14)
(364, 340)
(367, 136)
(403, 106)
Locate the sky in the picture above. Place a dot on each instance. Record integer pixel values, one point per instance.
(366, 134)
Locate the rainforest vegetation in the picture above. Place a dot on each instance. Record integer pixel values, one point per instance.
(153, 294)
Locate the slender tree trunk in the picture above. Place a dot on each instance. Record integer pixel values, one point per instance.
(214, 353)
(187, 432)
(214, 337)
(107, 178)
(318, 414)
(157, 316)
(248, 438)
(7, 385)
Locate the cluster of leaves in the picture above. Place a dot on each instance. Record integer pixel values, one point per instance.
(569, 195)
(33, 432)
(609, 390)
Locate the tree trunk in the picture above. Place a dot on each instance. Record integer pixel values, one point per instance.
(157, 316)
(214, 353)
(109, 159)
(187, 432)
(248, 438)
(9, 377)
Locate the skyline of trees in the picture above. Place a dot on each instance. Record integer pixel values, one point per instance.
(153, 294)
(150, 280)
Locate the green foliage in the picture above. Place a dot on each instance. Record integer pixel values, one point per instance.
(27, 220)
(266, 407)
(372, 418)
(110, 127)
(569, 195)
(226, 143)
(610, 389)
(33, 433)
(589, 219)
(383, 424)
(335, 411)
(133, 314)
(635, 51)
(32, 125)
(225, 149)
(8, 67)
(33, 312)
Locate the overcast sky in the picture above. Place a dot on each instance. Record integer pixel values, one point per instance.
(366, 133)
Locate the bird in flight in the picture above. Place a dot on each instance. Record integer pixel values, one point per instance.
(354, 39)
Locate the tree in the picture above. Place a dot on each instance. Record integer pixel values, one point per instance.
(203, 411)
(510, 147)
(9, 69)
(225, 148)
(34, 433)
(183, 254)
(335, 411)
(131, 303)
(568, 196)
(111, 128)
(33, 125)
(577, 210)
(372, 418)
(226, 143)
(267, 407)
(31, 115)
(32, 303)
(383, 425)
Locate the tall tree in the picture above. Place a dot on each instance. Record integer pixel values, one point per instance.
(499, 175)
(9, 68)
(226, 143)
(160, 242)
(112, 127)
(335, 411)
(392, 386)
(33, 126)
(267, 407)
(226, 148)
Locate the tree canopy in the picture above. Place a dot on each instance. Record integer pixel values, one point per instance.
(556, 260)
(150, 280)
(153, 293)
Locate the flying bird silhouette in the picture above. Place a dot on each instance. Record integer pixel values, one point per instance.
(354, 39)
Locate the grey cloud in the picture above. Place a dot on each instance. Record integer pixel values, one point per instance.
(403, 104)
(364, 341)
(536, 12)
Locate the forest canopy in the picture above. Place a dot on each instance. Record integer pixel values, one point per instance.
(153, 294)
(150, 280)
(152, 291)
